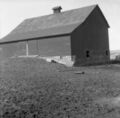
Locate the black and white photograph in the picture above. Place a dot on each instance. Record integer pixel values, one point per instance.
(59, 59)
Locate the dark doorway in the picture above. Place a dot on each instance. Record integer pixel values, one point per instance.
(87, 53)
(107, 52)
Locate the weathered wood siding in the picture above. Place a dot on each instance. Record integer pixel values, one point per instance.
(12, 49)
(58, 46)
(89, 42)
(33, 47)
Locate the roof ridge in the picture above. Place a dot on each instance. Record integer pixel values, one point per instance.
(61, 23)
(94, 5)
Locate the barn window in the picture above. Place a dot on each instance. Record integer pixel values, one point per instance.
(107, 53)
(87, 53)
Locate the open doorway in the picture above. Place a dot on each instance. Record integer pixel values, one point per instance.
(87, 53)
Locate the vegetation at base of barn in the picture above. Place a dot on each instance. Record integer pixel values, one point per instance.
(34, 88)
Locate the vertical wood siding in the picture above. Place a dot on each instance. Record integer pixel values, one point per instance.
(33, 47)
(12, 50)
(92, 37)
(59, 46)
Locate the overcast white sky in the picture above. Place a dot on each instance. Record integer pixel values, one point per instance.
(13, 12)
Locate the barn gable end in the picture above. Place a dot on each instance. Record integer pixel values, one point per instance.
(90, 42)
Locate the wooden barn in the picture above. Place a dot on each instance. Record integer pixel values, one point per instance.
(79, 34)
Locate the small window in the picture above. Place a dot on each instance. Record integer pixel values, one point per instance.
(87, 53)
(107, 53)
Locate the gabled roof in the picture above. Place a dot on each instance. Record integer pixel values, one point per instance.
(50, 25)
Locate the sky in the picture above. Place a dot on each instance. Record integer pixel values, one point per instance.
(13, 12)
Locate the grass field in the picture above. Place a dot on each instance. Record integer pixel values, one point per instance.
(34, 88)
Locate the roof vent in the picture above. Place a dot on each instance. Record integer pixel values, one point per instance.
(57, 9)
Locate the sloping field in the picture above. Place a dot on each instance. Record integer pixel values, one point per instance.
(34, 88)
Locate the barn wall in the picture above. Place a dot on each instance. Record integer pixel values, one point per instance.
(90, 42)
(33, 47)
(12, 50)
(58, 46)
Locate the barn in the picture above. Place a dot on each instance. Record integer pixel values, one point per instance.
(77, 35)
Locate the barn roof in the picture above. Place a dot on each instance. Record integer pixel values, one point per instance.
(62, 23)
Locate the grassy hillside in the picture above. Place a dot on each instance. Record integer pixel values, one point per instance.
(34, 88)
